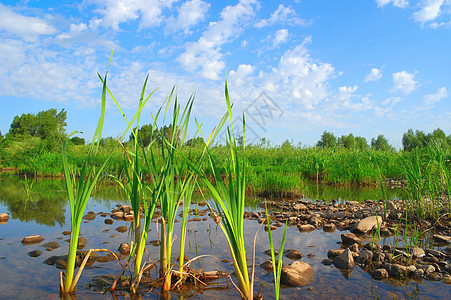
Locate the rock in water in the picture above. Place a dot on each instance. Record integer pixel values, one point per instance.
(369, 223)
(124, 249)
(298, 273)
(4, 218)
(344, 260)
(33, 239)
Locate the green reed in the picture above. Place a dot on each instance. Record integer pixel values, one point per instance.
(80, 193)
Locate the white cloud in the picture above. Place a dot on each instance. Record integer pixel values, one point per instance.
(280, 37)
(282, 14)
(397, 3)
(404, 82)
(188, 14)
(29, 28)
(429, 11)
(430, 99)
(205, 54)
(374, 75)
(149, 12)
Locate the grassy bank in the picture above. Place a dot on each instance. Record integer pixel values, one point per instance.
(278, 170)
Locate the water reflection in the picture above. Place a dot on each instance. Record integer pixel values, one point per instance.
(40, 281)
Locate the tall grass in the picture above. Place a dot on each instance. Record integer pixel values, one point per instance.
(229, 199)
(134, 165)
(79, 195)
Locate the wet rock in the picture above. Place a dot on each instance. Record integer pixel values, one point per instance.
(51, 245)
(121, 229)
(334, 252)
(126, 209)
(365, 257)
(372, 246)
(379, 274)
(326, 262)
(124, 249)
(315, 221)
(129, 217)
(427, 269)
(350, 238)
(66, 232)
(369, 223)
(268, 252)
(117, 215)
(441, 239)
(300, 206)
(329, 227)
(306, 228)
(435, 253)
(446, 279)
(396, 270)
(109, 221)
(298, 273)
(267, 265)
(292, 254)
(4, 218)
(435, 276)
(90, 216)
(354, 248)
(417, 252)
(353, 203)
(386, 248)
(344, 260)
(411, 270)
(33, 239)
(35, 253)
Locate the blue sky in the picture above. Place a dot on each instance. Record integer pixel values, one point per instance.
(296, 68)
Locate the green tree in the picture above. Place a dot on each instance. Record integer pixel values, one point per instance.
(197, 142)
(327, 140)
(77, 140)
(45, 124)
(347, 141)
(381, 143)
(412, 140)
(361, 143)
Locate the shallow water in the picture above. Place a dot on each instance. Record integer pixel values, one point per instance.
(47, 214)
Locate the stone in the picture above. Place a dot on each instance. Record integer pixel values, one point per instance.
(90, 216)
(292, 254)
(298, 273)
(441, 239)
(447, 279)
(267, 265)
(33, 239)
(300, 206)
(66, 232)
(126, 209)
(129, 217)
(436, 253)
(417, 252)
(427, 269)
(35, 253)
(51, 245)
(121, 229)
(326, 262)
(117, 215)
(306, 228)
(379, 274)
(329, 227)
(4, 218)
(365, 257)
(109, 221)
(268, 252)
(398, 271)
(332, 253)
(315, 221)
(350, 238)
(411, 270)
(344, 260)
(124, 249)
(369, 223)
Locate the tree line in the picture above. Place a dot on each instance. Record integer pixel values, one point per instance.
(50, 126)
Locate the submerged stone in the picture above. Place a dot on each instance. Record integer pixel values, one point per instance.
(298, 273)
(33, 239)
